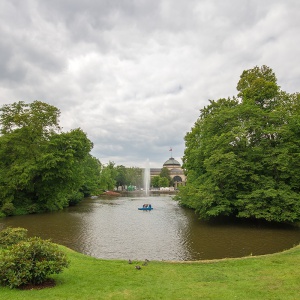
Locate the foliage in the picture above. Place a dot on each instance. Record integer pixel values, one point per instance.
(112, 176)
(41, 168)
(11, 236)
(158, 181)
(163, 179)
(164, 182)
(107, 176)
(121, 176)
(165, 173)
(134, 176)
(75, 198)
(8, 209)
(40, 117)
(31, 261)
(242, 155)
(155, 181)
(91, 176)
(128, 176)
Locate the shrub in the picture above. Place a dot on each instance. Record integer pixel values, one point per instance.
(8, 209)
(33, 208)
(10, 236)
(31, 262)
(75, 198)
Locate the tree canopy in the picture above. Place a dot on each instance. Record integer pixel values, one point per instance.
(42, 168)
(163, 179)
(242, 156)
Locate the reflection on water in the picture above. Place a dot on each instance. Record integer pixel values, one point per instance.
(115, 228)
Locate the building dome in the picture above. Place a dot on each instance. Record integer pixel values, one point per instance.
(171, 162)
(175, 171)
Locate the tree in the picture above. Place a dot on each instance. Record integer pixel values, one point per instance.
(40, 117)
(107, 176)
(61, 169)
(134, 176)
(165, 173)
(40, 168)
(128, 176)
(155, 181)
(121, 176)
(241, 156)
(163, 182)
(158, 181)
(91, 172)
(259, 85)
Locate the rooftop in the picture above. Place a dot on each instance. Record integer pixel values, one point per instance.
(172, 162)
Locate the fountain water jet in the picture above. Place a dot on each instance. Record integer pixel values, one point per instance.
(147, 178)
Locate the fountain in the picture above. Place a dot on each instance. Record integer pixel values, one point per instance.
(147, 178)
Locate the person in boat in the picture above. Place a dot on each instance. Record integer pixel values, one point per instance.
(150, 206)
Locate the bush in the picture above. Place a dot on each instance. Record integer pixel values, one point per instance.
(75, 198)
(8, 209)
(31, 262)
(32, 209)
(11, 236)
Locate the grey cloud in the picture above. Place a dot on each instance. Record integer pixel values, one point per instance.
(134, 74)
(10, 72)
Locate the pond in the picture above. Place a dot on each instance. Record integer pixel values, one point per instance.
(115, 228)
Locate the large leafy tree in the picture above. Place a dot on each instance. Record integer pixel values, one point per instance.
(108, 174)
(155, 181)
(121, 176)
(91, 172)
(40, 168)
(242, 155)
(158, 181)
(128, 176)
(134, 176)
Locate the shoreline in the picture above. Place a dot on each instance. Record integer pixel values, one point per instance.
(152, 192)
(271, 276)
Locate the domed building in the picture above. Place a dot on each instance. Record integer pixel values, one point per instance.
(176, 172)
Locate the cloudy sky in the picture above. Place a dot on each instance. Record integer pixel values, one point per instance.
(133, 74)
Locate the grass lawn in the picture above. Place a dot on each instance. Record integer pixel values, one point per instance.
(275, 276)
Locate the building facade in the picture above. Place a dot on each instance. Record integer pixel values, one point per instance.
(176, 172)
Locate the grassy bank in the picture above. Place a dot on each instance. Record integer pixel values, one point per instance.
(275, 276)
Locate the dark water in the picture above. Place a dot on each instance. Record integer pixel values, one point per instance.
(115, 228)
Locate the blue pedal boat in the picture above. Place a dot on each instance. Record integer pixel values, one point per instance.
(145, 208)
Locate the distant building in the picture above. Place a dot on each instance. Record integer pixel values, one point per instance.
(176, 172)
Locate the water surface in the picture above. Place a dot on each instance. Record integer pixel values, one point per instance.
(115, 228)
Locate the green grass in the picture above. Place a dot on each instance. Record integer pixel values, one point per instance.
(275, 276)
